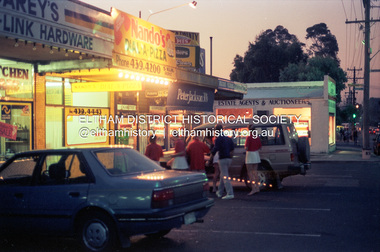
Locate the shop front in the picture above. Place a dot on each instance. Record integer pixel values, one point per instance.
(16, 101)
(90, 76)
(310, 105)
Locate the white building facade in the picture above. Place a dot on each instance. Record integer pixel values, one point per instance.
(310, 105)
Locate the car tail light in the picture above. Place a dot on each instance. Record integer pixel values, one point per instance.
(162, 198)
(292, 157)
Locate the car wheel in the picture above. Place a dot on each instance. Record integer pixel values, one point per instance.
(97, 232)
(265, 178)
(158, 234)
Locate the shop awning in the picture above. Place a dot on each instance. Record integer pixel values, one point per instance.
(230, 90)
(183, 96)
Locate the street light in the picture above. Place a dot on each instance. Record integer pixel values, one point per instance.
(191, 4)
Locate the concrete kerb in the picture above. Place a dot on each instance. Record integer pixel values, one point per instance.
(345, 153)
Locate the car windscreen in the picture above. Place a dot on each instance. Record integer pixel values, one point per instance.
(125, 161)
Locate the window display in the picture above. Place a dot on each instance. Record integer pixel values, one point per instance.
(15, 129)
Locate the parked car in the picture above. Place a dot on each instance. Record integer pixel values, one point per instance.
(283, 153)
(101, 196)
(376, 144)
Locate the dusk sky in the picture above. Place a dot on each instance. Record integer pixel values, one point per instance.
(235, 23)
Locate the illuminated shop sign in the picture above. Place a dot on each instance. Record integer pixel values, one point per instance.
(113, 86)
(86, 125)
(190, 97)
(143, 47)
(16, 80)
(63, 24)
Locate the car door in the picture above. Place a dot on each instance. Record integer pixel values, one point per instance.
(16, 179)
(61, 190)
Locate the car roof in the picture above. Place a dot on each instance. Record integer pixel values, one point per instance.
(74, 149)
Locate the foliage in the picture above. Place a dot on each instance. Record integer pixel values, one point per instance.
(324, 44)
(272, 51)
(314, 70)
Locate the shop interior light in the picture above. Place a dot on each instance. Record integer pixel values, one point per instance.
(34, 47)
(16, 43)
(126, 76)
(120, 75)
(51, 50)
(66, 53)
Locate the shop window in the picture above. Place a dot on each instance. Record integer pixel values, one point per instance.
(54, 127)
(16, 125)
(332, 131)
(262, 112)
(54, 93)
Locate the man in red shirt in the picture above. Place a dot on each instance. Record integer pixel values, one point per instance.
(153, 150)
(196, 151)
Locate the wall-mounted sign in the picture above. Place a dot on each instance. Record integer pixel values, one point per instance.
(266, 102)
(16, 80)
(65, 24)
(6, 112)
(143, 47)
(190, 97)
(186, 38)
(112, 86)
(187, 56)
(86, 126)
(8, 130)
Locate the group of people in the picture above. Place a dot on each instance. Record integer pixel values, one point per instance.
(345, 135)
(221, 152)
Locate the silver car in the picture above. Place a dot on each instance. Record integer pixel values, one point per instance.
(283, 153)
(101, 196)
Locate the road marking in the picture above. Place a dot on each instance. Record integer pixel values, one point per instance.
(288, 234)
(285, 208)
(248, 233)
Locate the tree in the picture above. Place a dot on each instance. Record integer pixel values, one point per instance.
(324, 44)
(314, 70)
(272, 51)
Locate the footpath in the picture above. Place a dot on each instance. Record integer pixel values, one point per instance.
(345, 152)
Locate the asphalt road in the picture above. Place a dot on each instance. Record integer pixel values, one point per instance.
(335, 207)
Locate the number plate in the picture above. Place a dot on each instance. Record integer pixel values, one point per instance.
(189, 218)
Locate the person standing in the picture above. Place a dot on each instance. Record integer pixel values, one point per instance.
(252, 158)
(225, 147)
(214, 161)
(196, 151)
(153, 150)
(179, 162)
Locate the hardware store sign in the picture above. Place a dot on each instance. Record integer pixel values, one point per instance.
(63, 24)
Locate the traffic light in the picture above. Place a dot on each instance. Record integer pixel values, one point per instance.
(354, 115)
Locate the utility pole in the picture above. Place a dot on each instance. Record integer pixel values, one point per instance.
(353, 102)
(366, 152)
